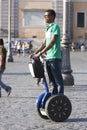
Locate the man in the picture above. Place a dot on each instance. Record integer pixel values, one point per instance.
(51, 46)
(2, 67)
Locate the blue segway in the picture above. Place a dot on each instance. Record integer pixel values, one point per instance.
(54, 107)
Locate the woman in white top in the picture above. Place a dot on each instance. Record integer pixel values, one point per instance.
(18, 46)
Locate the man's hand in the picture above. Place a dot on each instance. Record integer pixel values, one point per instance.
(36, 56)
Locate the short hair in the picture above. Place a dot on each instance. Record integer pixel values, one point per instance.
(1, 42)
(51, 12)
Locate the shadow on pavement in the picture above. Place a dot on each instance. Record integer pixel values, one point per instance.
(77, 120)
(16, 73)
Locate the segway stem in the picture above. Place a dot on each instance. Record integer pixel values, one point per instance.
(45, 84)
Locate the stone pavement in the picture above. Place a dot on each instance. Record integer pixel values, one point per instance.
(18, 111)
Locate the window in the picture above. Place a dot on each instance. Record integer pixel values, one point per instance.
(81, 19)
(33, 18)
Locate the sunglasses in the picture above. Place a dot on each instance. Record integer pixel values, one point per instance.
(47, 15)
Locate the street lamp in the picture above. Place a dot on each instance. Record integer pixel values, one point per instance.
(66, 67)
(9, 56)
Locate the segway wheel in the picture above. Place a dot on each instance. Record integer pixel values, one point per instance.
(41, 112)
(58, 108)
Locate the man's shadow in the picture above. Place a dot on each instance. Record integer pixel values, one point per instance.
(77, 120)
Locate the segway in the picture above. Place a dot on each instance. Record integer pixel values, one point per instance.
(54, 107)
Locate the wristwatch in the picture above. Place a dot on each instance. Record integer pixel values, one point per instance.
(39, 53)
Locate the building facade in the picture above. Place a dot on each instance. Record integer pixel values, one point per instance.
(4, 18)
(31, 17)
(80, 19)
(27, 18)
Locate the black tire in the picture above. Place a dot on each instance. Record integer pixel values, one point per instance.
(41, 112)
(58, 108)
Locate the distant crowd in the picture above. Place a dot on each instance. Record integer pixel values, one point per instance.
(20, 47)
(23, 47)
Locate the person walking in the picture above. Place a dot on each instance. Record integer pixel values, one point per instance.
(51, 46)
(3, 53)
(18, 46)
(23, 48)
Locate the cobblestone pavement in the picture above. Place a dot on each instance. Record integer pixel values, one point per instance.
(18, 111)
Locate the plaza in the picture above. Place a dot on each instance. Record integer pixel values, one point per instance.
(18, 111)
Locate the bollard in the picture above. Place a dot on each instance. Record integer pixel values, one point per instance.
(0, 91)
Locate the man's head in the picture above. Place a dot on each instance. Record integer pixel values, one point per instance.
(1, 42)
(49, 15)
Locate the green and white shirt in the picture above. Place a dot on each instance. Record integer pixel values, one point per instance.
(54, 52)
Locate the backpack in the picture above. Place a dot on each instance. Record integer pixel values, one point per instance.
(3, 53)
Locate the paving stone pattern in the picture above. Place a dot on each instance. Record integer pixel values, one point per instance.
(18, 111)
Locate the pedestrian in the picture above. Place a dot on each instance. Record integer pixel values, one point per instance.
(23, 48)
(82, 47)
(18, 46)
(51, 46)
(73, 46)
(3, 53)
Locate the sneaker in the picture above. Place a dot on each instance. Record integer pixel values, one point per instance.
(8, 92)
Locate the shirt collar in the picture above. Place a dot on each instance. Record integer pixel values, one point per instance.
(49, 25)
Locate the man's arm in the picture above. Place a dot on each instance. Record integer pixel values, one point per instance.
(50, 44)
(42, 49)
(42, 46)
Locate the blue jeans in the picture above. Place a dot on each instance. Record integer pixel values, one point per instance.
(2, 85)
(55, 77)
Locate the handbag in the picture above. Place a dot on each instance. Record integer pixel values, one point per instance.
(36, 68)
